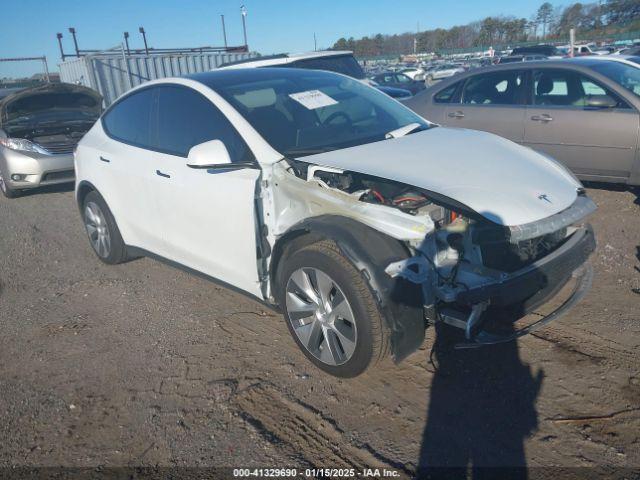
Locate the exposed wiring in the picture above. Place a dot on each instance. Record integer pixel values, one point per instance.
(376, 194)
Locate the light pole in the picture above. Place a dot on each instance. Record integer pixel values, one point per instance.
(144, 37)
(224, 31)
(243, 11)
(126, 41)
(72, 31)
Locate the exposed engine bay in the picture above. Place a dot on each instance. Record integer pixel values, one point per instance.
(464, 263)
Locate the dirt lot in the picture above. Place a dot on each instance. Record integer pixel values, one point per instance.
(144, 365)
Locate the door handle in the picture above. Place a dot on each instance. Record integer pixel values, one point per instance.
(161, 174)
(105, 160)
(542, 118)
(456, 115)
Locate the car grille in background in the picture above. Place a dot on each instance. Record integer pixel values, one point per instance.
(53, 176)
(59, 148)
(59, 144)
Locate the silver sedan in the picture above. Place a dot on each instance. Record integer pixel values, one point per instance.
(583, 112)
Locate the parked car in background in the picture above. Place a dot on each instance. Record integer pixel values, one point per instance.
(522, 58)
(318, 194)
(443, 71)
(546, 50)
(399, 80)
(414, 73)
(400, 94)
(582, 111)
(332, 61)
(39, 128)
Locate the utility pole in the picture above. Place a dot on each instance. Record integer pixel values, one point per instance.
(572, 41)
(243, 11)
(144, 38)
(315, 42)
(224, 31)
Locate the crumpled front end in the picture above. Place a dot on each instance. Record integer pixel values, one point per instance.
(482, 277)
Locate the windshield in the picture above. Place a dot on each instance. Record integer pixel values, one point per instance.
(345, 64)
(302, 112)
(621, 73)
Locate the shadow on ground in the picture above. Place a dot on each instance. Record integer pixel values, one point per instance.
(60, 188)
(615, 187)
(481, 409)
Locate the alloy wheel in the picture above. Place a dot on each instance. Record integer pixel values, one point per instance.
(97, 229)
(321, 316)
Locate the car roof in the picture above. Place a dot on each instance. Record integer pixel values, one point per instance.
(283, 59)
(225, 77)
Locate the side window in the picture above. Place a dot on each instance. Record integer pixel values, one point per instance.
(186, 118)
(446, 95)
(567, 88)
(497, 88)
(401, 78)
(129, 119)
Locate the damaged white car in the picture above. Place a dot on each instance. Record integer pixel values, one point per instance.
(327, 199)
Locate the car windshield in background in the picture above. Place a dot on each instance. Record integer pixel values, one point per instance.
(345, 64)
(625, 75)
(302, 112)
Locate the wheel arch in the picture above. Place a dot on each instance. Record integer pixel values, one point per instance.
(82, 190)
(400, 301)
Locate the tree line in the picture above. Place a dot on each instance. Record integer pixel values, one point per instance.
(547, 23)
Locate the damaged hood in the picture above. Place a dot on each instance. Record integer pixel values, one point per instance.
(506, 183)
(49, 99)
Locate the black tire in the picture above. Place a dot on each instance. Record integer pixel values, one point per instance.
(117, 250)
(9, 192)
(372, 339)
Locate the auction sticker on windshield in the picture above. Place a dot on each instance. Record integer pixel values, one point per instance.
(313, 99)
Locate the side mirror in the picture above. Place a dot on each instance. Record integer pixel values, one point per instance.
(211, 154)
(601, 101)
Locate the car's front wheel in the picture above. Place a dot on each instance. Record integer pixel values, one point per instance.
(331, 312)
(102, 230)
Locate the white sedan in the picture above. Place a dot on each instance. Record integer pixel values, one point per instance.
(327, 199)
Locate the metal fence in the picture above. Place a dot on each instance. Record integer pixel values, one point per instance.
(112, 75)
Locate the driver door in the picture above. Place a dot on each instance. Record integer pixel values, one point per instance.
(208, 219)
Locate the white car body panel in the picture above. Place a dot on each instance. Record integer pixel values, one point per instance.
(497, 178)
(290, 58)
(194, 208)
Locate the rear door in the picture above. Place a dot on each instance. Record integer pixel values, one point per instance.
(123, 168)
(493, 102)
(207, 215)
(594, 143)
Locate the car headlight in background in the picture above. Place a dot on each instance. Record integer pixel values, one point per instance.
(22, 145)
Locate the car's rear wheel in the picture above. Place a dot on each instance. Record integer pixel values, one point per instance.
(102, 230)
(7, 191)
(331, 312)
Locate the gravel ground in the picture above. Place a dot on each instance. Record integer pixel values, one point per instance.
(143, 365)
